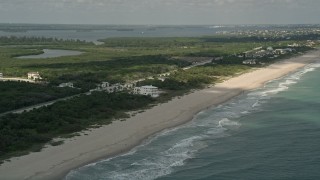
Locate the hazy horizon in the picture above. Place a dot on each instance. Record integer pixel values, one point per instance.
(279, 24)
(160, 12)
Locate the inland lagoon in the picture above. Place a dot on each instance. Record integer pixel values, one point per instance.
(51, 53)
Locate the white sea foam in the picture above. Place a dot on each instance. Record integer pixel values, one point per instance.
(159, 155)
(256, 104)
(245, 112)
(163, 163)
(216, 133)
(279, 85)
(225, 122)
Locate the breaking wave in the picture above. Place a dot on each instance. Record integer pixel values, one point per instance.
(171, 149)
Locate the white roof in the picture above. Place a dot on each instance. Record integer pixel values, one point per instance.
(150, 86)
(33, 73)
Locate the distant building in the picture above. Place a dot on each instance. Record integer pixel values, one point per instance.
(68, 84)
(34, 76)
(110, 88)
(118, 87)
(250, 61)
(105, 85)
(269, 48)
(310, 43)
(1, 75)
(261, 53)
(147, 91)
(128, 86)
(164, 74)
(249, 54)
(293, 45)
(280, 51)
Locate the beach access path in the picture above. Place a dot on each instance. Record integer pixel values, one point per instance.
(54, 162)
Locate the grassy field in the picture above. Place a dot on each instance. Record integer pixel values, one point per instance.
(140, 52)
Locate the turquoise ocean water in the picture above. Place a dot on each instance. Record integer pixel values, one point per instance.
(269, 133)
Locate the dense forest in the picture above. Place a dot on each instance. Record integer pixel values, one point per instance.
(19, 132)
(15, 95)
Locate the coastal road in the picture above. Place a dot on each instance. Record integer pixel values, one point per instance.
(198, 64)
(37, 106)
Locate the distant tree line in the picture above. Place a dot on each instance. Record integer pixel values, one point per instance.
(311, 36)
(15, 40)
(149, 42)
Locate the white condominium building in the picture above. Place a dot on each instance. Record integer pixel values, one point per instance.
(147, 91)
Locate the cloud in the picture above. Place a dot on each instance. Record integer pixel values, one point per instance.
(159, 3)
(161, 11)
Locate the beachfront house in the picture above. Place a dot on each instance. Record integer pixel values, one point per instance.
(110, 88)
(113, 88)
(294, 45)
(310, 43)
(280, 51)
(147, 91)
(249, 54)
(269, 48)
(250, 61)
(164, 74)
(68, 84)
(128, 86)
(34, 76)
(105, 85)
(118, 87)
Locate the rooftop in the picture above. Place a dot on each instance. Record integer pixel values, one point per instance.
(149, 86)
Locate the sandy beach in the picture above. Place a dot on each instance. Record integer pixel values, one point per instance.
(54, 162)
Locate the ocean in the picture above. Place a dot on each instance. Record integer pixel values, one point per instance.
(268, 133)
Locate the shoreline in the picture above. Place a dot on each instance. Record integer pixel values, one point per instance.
(54, 162)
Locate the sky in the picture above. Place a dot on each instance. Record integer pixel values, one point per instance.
(160, 12)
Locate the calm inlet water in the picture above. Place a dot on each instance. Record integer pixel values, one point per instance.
(51, 53)
(269, 133)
